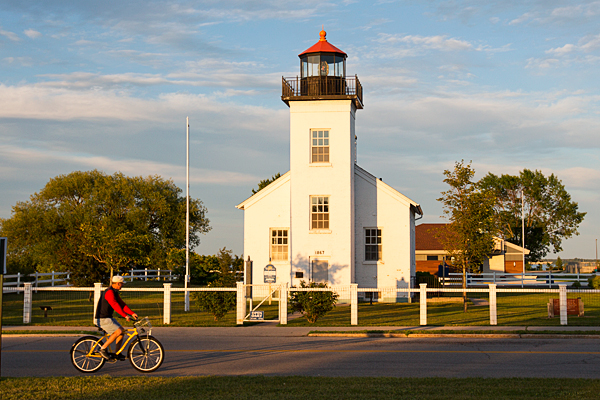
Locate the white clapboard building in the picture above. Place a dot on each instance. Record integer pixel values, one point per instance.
(327, 219)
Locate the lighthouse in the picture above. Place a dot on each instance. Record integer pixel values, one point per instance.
(327, 219)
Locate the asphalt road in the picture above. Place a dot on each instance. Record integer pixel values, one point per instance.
(244, 351)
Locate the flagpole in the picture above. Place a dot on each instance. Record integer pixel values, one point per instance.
(187, 216)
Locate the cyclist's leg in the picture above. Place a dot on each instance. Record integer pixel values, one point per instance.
(113, 329)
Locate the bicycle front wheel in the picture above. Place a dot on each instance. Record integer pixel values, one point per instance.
(146, 354)
(83, 357)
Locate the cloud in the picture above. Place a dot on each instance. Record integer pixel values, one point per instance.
(566, 49)
(32, 34)
(36, 158)
(441, 43)
(10, 35)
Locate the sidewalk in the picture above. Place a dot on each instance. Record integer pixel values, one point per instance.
(271, 329)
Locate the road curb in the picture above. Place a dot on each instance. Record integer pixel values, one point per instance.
(458, 335)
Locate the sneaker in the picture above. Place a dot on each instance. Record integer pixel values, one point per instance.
(121, 357)
(105, 354)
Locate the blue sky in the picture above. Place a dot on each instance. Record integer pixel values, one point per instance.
(107, 85)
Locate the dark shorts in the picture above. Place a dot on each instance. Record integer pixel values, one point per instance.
(110, 325)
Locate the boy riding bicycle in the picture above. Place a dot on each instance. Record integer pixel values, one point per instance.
(109, 302)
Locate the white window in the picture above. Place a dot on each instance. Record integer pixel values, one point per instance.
(319, 146)
(279, 244)
(372, 244)
(319, 212)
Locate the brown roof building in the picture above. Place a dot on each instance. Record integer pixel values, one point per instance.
(430, 254)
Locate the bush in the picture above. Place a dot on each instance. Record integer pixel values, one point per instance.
(594, 282)
(313, 305)
(216, 303)
(576, 285)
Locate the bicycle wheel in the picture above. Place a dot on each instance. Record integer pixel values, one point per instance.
(147, 354)
(82, 356)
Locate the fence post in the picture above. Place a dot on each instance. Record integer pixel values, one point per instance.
(241, 303)
(562, 291)
(167, 303)
(52, 278)
(27, 306)
(97, 294)
(131, 275)
(158, 275)
(18, 279)
(493, 309)
(423, 303)
(354, 304)
(146, 274)
(283, 304)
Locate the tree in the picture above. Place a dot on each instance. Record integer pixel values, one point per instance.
(219, 303)
(266, 182)
(92, 224)
(550, 215)
(469, 237)
(559, 264)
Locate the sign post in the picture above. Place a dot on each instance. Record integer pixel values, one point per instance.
(3, 243)
(270, 273)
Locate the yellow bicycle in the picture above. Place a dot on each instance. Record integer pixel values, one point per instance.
(145, 352)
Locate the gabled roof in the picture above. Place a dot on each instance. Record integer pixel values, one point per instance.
(265, 191)
(387, 188)
(425, 236)
(322, 46)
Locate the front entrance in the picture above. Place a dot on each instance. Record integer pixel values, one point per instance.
(320, 270)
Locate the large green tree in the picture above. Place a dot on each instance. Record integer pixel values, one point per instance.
(469, 237)
(90, 224)
(550, 214)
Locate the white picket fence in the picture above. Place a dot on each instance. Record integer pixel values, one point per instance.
(351, 292)
(528, 279)
(52, 278)
(61, 279)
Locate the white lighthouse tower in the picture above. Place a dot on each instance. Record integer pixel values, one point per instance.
(327, 219)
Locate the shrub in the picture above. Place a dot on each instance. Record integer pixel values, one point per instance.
(594, 282)
(313, 305)
(216, 303)
(576, 285)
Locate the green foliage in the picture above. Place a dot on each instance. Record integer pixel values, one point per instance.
(266, 182)
(90, 223)
(594, 282)
(559, 264)
(313, 305)
(576, 285)
(469, 237)
(550, 215)
(219, 303)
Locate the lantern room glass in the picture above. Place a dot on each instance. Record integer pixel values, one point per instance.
(326, 64)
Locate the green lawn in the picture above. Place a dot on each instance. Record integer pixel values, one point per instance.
(275, 388)
(75, 309)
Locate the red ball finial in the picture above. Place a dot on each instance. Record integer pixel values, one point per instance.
(322, 34)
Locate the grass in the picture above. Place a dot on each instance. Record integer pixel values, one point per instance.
(53, 332)
(75, 309)
(267, 388)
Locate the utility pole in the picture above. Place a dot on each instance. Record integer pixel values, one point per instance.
(523, 233)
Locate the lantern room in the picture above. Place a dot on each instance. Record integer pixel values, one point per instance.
(323, 59)
(322, 76)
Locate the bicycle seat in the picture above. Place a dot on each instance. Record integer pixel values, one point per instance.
(102, 331)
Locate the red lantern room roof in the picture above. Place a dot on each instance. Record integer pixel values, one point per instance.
(322, 46)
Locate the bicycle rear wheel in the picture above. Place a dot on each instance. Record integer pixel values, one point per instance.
(82, 356)
(147, 354)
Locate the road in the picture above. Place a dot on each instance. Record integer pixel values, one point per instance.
(247, 351)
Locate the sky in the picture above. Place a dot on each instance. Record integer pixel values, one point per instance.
(108, 85)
